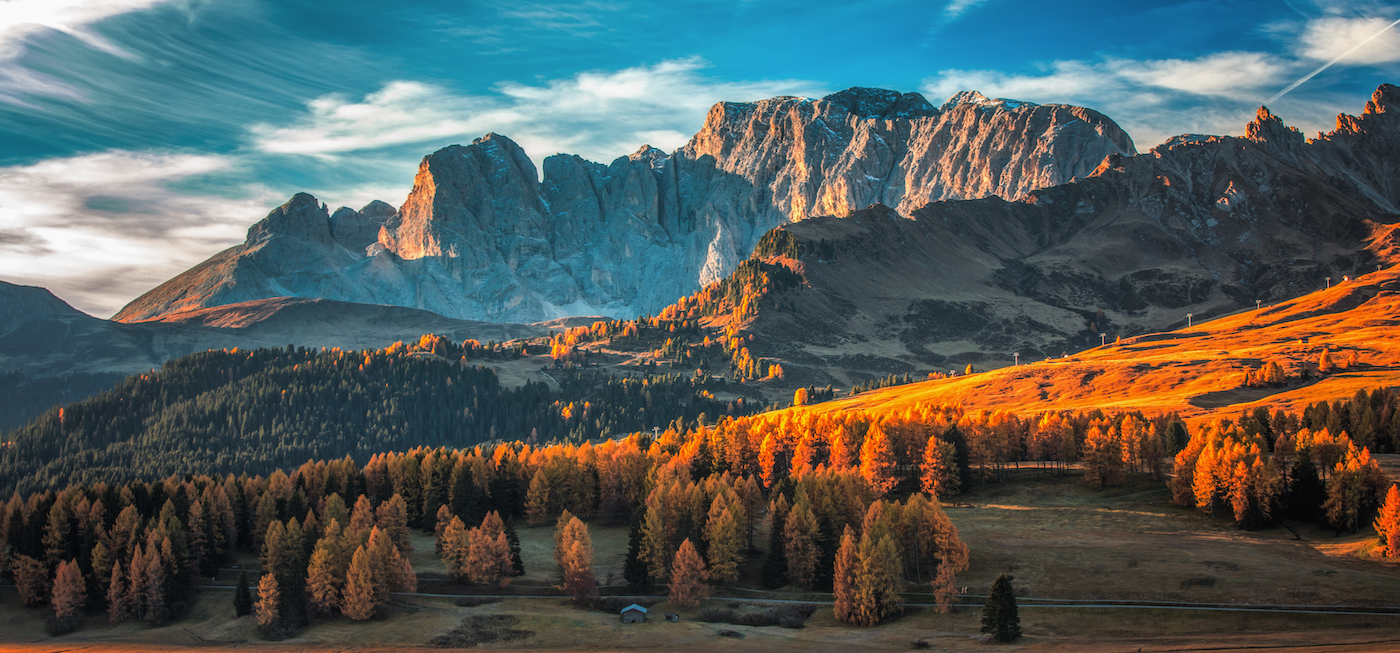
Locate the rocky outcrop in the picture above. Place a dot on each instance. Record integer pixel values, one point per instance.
(1200, 225)
(482, 236)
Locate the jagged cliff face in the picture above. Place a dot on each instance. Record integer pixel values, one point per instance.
(481, 236)
(1201, 225)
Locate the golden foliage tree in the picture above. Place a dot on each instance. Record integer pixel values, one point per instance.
(322, 580)
(723, 540)
(688, 586)
(844, 583)
(1103, 464)
(69, 592)
(392, 518)
(939, 475)
(488, 552)
(268, 608)
(32, 581)
(537, 499)
(877, 461)
(359, 600)
(455, 545)
(800, 543)
(1388, 523)
(799, 398)
(574, 552)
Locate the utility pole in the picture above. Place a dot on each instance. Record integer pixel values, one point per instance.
(1188, 319)
(1329, 282)
(1017, 356)
(1103, 339)
(1258, 303)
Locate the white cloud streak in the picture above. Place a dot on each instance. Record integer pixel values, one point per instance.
(22, 20)
(955, 9)
(1358, 40)
(115, 222)
(598, 115)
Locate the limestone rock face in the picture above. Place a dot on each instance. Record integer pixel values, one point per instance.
(482, 236)
(1200, 225)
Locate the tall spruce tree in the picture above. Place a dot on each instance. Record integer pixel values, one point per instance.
(999, 616)
(517, 564)
(635, 568)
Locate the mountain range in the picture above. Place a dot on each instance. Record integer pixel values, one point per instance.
(922, 239)
(481, 236)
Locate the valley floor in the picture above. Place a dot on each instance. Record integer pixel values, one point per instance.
(1065, 543)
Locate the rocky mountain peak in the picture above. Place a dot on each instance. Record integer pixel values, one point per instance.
(303, 217)
(463, 197)
(879, 103)
(358, 230)
(1269, 128)
(654, 157)
(1385, 99)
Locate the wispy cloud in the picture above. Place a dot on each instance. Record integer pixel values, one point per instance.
(116, 221)
(22, 20)
(955, 9)
(1327, 38)
(599, 114)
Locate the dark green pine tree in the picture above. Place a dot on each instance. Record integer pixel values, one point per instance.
(635, 569)
(242, 596)
(775, 564)
(999, 616)
(517, 565)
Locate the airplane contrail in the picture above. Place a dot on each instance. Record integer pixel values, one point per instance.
(1329, 64)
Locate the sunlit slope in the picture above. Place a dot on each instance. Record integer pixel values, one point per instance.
(1198, 370)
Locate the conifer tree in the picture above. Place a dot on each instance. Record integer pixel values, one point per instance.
(1104, 458)
(242, 594)
(101, 577)
(359, 601)
(844, 583)
(688, 586)
(877, 582)
(392, 518)
(116, 595)
(456, 547)
(538, 502)
(939, 475)
(362, 518)
(156, 609)
(775, 567)
(576, 562)
(722, 542)
(69, 593)
(269, 603)
(800, 547)
(517, 564)
(32, 581)
(444, 517)
(1388, 523)
(488, 552)
(877, 462)
(322, 582)
(335, 510)
(999, 614)
(635, 570)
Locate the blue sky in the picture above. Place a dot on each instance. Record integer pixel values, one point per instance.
(139, 137)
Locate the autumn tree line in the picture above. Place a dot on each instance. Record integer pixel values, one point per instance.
(221, 412)
(850, 500)
(1262, 468)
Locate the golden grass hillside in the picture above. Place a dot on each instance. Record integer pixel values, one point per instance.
(1196, 371)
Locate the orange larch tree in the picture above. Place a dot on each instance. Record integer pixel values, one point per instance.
(688, 586)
